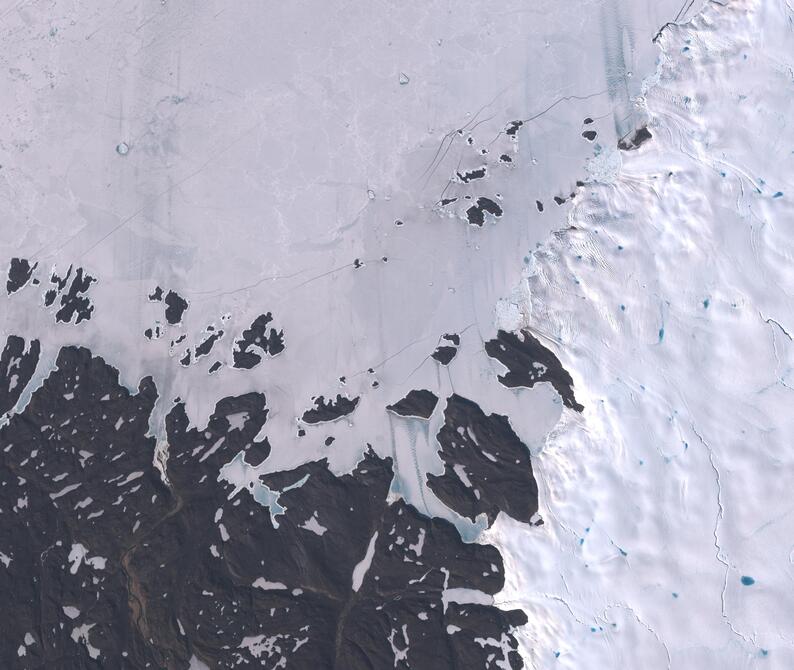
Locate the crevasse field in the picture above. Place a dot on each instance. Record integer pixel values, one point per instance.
(424, 336)
(670, 535)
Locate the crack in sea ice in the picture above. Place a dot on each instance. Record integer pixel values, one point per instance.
(645, 625)
(720, 554)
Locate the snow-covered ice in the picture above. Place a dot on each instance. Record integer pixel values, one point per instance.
(670, 296)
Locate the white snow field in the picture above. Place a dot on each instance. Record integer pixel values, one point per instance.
(669, 534)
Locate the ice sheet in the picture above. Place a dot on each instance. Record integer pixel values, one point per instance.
(668, 535)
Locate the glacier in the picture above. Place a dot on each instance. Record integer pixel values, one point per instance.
(669, 297)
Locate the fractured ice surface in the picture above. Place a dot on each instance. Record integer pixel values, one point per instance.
(670, 296)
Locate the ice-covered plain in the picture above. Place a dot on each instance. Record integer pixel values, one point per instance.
(373, 336)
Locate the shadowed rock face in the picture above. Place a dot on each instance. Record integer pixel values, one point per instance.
(175, 306)
(476, 213)
(75, 305)
(528, 362)
(448, 348)
(259, 340)
(79, 448)
(418, 403)
(19, 274)
(17, 365)
(204, 348)
(635, 140)
(329, 410)
(487, 468)
(68, 292)
(107, 566)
